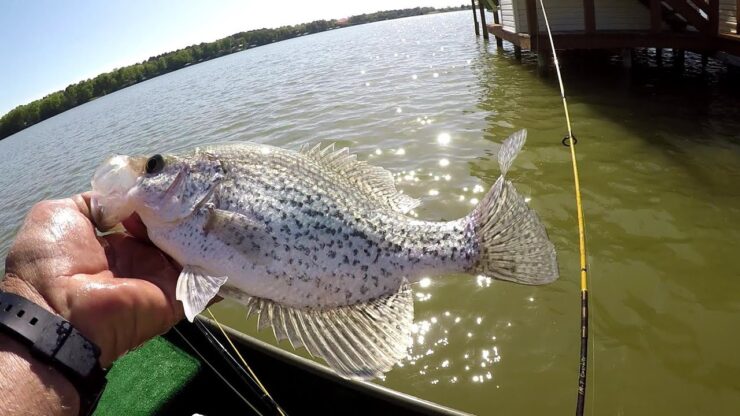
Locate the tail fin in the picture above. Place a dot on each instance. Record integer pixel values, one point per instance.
(512, 242)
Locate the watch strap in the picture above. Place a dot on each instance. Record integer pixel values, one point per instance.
(54, 339)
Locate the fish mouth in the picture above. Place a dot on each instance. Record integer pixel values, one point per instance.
(111, 183)
(96, 211)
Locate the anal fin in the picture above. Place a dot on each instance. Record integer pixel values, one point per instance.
(358, 341)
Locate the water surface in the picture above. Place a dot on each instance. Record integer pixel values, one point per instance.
(660, 166)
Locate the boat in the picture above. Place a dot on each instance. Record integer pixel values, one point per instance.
(185, 373)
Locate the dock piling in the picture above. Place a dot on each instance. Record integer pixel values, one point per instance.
(483, 25)
(475, 19)
(499, 41)
(627, 58)
(518, 53)
(679, 58)
(543, 61)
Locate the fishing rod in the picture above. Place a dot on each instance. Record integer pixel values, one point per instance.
(244, 372)
(221, 376)
(571, 141)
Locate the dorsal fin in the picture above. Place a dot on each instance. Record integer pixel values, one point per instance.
(373, 182)
(363, 340)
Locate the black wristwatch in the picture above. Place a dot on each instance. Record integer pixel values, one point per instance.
(56, 341)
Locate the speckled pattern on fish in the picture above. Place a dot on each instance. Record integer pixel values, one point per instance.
(315, 240)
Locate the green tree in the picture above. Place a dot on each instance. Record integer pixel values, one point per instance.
(102, 84)
(82, 92)
(51, 105)
(31, 114)
(178, 59)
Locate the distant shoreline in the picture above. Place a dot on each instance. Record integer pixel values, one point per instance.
(26, 115)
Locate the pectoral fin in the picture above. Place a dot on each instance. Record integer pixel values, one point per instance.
(229, 224)
(195, 289)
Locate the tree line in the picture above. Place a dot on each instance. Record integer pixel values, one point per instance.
(76, 94)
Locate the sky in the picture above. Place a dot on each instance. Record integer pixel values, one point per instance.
(46, 45)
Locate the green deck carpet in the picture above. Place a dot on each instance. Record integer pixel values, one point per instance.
(143, 381)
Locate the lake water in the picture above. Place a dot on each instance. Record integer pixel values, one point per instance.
(660, 164)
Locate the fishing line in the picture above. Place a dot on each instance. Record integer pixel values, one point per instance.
(253, 384)
(583, 365)
(234, 389)
(246, 369)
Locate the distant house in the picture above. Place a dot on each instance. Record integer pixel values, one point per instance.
(570, 15)
(620, 15)
(705, 26)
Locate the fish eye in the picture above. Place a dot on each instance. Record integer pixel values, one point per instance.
(155, 164)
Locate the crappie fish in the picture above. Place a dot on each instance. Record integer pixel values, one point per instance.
(316, 242)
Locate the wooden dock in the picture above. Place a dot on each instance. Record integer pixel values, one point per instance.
(707, 27)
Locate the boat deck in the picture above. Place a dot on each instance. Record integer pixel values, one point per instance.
(166, 377)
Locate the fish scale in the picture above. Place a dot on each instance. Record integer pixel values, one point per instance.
(314, 229)
(315, 242)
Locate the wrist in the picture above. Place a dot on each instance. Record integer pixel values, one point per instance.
(19, 286)
(30, 386)
(14, 284)
(51, 359)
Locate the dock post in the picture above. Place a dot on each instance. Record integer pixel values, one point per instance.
(659, 56)
(627, 58)
(483, 19)
(499, 41)
(543, 61)
(518, 53)
(704, 62)
(679, 57)
(475, 19)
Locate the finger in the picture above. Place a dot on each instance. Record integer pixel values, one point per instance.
(131, 257)
(120, 313)
(132, 224)
(82, 202)
(136, 227)
(56, 239)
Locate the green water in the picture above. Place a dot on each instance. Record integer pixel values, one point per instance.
(659, 156)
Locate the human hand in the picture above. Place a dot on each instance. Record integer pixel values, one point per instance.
(118, 290)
